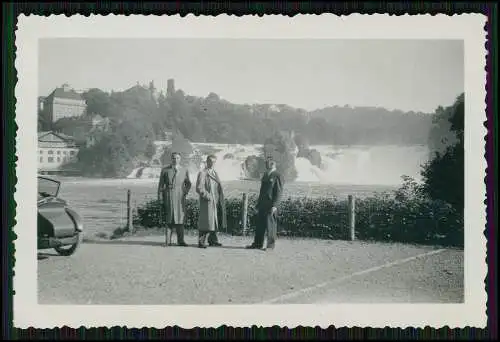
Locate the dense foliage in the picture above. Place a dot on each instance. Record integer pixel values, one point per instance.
(141, 114)
(405, 216)
(304, 151)
(443, 175)
(77, 127)
(182, 146)
(254, 166)
(281, 148)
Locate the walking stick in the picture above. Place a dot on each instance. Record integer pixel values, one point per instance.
(162, 219)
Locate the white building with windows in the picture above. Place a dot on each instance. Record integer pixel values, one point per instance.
(55, 150)
(63, 102)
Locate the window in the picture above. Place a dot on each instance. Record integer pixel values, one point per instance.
(40, 151)
(65, 152)
(51, 159)
(58, 152)
(50, 152)
(72, 152)
(58, 159)
(41, 159)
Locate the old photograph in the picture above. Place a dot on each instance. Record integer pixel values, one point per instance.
(233, 171)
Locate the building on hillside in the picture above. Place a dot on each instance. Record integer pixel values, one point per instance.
(151, 89)
(100, 126)
(63, 102)
(154, 92)
(55, 150)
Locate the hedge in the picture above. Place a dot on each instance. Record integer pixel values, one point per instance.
(378, 218)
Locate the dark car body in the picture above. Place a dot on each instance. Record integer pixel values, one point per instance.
(59, 226)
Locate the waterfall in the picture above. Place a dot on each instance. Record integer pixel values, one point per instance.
(377, 165)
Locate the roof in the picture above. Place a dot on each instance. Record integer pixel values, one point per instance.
(57, 134)
(65, 136)
(137, 87)
(61, 94)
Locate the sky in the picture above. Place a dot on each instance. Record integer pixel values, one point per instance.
(409, 75)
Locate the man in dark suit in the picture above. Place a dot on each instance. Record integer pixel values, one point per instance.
(271, 189)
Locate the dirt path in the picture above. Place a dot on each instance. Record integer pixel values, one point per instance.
(140, 271)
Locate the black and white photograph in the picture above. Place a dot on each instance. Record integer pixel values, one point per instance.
(229, 170)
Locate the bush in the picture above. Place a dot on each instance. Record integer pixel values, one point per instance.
(255, 166)
(312, 155)
(384, 217)
(281, 147)
(443, 175)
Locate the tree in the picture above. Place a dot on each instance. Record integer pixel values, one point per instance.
(77, 127)
(254, 167)
(134, 117)
(281, 148)
(180, 145)
(98, 102)
(443, 175)
(301, 142)
(314, 157)
(108, 158)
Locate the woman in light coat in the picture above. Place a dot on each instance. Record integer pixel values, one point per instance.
(173, 187)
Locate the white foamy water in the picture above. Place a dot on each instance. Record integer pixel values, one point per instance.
(363, 165)
(378, 165)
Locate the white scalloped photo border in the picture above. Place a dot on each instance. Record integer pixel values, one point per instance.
(466, 27)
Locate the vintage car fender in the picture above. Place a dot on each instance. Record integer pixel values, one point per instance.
(77, 219)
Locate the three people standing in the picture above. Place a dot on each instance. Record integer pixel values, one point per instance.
(174, 185)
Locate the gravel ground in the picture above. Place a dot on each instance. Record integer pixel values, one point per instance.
(137, 270)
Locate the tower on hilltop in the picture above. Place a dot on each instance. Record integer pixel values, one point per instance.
(170, 87)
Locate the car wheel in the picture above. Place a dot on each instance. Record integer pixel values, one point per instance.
(69, 250)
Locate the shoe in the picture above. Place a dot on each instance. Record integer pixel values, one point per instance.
(253, 246)
(215, 244)
(270, 247)
(200, 245)
(182, 244)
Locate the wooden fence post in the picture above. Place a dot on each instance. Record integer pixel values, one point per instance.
(130, 226)
(244, 214)
(352, 217)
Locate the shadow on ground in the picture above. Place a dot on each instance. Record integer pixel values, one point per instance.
(150, 243)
